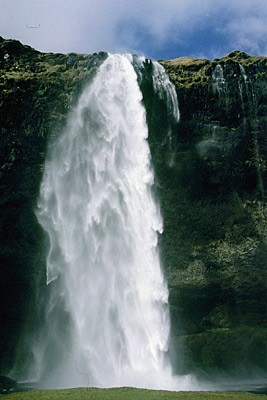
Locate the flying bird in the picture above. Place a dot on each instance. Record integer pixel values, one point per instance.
(33, 27)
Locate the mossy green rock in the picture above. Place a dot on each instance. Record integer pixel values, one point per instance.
(214, 208)
(210, 180)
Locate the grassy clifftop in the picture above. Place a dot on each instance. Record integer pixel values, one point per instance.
(186, 71)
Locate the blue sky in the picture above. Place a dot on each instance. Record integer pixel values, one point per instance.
(158, 29)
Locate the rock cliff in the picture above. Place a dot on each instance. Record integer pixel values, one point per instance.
(214, 208)
(211, 182)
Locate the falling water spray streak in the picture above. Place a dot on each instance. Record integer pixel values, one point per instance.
(219, 85)
(166, 90)
(107, 318)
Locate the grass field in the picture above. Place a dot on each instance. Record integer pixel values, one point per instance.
(128, 394)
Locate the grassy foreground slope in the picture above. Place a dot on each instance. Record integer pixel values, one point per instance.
(128, 393)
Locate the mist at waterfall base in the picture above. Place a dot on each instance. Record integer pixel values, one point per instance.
(106, 320)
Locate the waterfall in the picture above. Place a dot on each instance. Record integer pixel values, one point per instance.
(219, 85)
(166, 90)
(246, 84)
(218, 81)
(107, 318)
(251, 106)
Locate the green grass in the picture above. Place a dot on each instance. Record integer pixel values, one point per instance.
(126, 393)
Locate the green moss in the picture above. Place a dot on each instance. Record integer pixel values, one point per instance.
(225, 348)
(187, 72)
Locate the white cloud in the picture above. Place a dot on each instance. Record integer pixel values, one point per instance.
(94, 25)
(247, 29)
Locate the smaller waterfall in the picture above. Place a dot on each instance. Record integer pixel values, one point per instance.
(243, 73)
(219, 85)
(246, 89)
(243, 88)
(250, 107)
(218, 81)
(166, 90)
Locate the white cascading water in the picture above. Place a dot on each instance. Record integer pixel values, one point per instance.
(219, 84)
(107, 318)
(166, 90)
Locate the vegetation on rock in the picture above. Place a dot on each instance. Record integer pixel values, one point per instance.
(214, 207)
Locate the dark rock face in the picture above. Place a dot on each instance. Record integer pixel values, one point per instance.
(211, 182)
(7, 385)
(214, 208)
